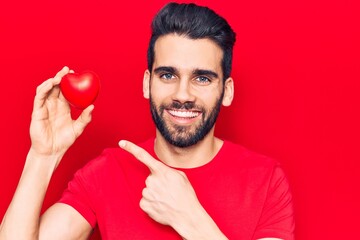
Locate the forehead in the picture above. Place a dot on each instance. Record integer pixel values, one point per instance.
(187, 54)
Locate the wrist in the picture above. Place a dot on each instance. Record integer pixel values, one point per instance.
(44, 160)
(199, 225)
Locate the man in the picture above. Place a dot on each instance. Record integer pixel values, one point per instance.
(185, 183)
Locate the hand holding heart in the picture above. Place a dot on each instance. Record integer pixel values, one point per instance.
(168, 197)
(52, 130)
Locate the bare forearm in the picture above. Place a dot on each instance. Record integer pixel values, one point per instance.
(21, 220)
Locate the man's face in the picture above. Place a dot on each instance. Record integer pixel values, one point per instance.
(185, 88)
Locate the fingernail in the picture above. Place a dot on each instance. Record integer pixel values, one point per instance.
(122, 143)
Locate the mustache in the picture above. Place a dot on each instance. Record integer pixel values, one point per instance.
(185, 105)
(181, 106)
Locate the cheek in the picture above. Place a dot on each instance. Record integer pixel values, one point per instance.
(158, 92)
(210, 99)
(161, 91)
(159, 97)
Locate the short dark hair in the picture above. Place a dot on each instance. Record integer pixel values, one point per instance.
(194, 22)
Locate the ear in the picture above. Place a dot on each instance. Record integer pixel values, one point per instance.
(228, 92)
(146, 84)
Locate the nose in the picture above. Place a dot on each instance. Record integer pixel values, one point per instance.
(183, 92)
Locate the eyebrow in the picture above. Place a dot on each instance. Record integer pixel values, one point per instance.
(165, 69)
(195, 72)
(206, 73)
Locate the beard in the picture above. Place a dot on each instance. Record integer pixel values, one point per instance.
(185, 136)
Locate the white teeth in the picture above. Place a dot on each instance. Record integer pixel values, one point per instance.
(184, 114)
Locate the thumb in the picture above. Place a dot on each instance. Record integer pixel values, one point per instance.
(83, 120)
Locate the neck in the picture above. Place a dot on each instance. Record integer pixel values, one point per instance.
(190, 157)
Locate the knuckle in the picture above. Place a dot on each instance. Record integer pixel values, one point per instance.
(38, 88)
(151, 181)
(145, 192)
(142, 204)
(148, 181)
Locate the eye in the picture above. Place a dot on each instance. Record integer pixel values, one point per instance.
(203, 80)
(167, 76)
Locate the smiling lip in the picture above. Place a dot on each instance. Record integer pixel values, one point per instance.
(183, 116)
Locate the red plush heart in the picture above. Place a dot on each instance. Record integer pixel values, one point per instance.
(80, 90)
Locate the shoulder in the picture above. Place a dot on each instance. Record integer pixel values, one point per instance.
(111, 160)
(107, 159)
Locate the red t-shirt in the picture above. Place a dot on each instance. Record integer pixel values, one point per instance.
(246, 194)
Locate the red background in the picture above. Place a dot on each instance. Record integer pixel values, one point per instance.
(296, 71)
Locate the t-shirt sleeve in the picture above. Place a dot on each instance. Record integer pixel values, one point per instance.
(277, 218)
(80, 194)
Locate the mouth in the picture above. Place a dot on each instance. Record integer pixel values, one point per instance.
(184, 116)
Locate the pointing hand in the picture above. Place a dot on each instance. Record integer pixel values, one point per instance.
(168, 197)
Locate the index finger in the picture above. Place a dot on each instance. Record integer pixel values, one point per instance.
(140, 154)
(44, 89)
